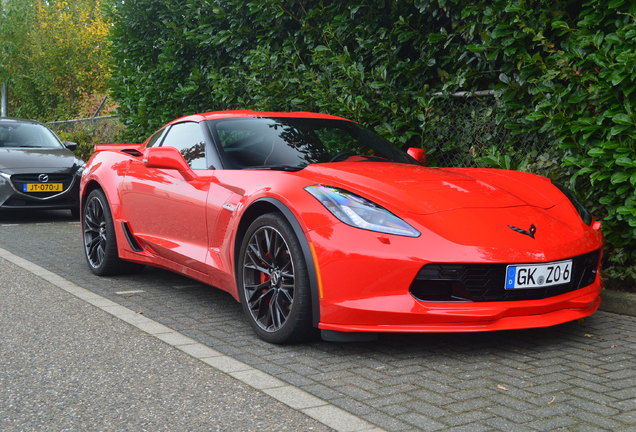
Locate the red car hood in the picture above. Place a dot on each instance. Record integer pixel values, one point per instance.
(423, 190)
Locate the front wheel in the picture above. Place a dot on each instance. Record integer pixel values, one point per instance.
(273, 282)
(100, 243)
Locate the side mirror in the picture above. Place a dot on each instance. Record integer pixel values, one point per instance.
(168, 158)
(418, 154)
(70, 145)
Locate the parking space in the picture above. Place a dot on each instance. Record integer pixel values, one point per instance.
(577, 376)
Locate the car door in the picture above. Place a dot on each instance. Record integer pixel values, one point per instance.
(163, 209)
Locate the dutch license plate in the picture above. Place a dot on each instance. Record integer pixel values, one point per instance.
(42, 187)
(538, 275)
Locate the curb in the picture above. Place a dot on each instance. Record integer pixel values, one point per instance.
(618, 302)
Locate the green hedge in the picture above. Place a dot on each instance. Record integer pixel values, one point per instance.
(562, 70)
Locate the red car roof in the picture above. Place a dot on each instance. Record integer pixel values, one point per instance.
(246, 113)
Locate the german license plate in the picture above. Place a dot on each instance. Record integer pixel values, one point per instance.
(538, 275)
(42, 187)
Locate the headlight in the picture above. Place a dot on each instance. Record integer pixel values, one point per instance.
(80, 166)
(585, 215)
(360, 212)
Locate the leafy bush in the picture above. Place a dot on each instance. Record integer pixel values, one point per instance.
(563, 73)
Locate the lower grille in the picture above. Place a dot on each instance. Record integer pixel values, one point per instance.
(19, 180)
(486, 282)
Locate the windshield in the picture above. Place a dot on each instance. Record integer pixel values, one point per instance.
(27, 135)
(293, 143)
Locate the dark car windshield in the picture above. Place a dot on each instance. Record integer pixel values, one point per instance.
(27, 135)
(293, 143)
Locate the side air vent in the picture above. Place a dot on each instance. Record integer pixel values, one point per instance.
(132, 152)
(131, 240)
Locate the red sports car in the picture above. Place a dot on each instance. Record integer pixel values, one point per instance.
(314, 222)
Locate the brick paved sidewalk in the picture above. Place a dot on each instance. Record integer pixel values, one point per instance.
(577, 376)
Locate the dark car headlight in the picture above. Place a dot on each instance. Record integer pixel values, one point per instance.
(359, 212)
(580, 208)
(80, 167)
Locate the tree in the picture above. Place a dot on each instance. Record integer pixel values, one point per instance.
(54, 55)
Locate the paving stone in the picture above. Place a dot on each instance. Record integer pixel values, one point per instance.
(387, 422)
(394, 409)
(402, 388)
(593, 407)
(490, 390)
(626, 417)
(550, 388)
(389, 400)
(323, 391)
(469, 404)
(602, 398)
(465, 418)
(623, 374)
(432, 397)
(507, 400)
(473, 427)
(422, 422)
(362, 382)
(353, 406)
(506, 425)
(586, 428)
(552, 424)
(594, 419)
(427, 409)
(296, 379)
(624, 405)
(552, 409)
(511, 414)
(355, 392)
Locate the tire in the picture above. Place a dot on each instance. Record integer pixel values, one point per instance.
(100, 243)
(273, 282)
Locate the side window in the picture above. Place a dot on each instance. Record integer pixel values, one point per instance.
(188, 139)
(156, 138)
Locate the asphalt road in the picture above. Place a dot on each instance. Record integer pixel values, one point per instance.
(579, 376)
(66, 365)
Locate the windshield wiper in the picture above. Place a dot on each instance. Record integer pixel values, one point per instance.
(290, 168)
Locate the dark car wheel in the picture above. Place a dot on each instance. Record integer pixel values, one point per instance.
(100, 244)
(273, 283)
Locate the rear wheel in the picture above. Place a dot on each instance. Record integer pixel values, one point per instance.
(100, 244)
(273, 282)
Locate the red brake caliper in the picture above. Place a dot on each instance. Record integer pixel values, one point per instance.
(264, 278)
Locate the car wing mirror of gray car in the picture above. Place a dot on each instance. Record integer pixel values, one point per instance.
(70, 145)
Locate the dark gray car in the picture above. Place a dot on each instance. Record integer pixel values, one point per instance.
(37, 171)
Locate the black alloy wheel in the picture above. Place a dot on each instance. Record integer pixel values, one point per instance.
(100, 243)
(273, 281)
